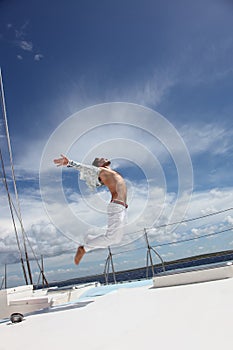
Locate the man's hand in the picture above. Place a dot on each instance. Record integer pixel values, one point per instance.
(61, 161)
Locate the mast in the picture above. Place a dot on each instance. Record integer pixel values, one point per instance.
(14, 182)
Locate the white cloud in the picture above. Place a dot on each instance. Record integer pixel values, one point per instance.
(135, 138)
(147, 90)
(47, 240)
(229, 219)
(19, 37)
(38, 57)
(21, 41)
(151, 91)
(202, 137)
(25, 45)
(218, 224)
(21, 32)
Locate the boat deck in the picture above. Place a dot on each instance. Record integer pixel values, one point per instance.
(133, 315)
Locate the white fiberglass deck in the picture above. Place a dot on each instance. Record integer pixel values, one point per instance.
(192, 316)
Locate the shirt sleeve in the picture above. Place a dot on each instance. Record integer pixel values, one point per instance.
(73, 164)
(88, 173)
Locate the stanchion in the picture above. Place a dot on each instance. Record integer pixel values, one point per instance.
(109, 261)
(149, 257)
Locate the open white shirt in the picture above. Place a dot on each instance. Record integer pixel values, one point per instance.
(88, 173)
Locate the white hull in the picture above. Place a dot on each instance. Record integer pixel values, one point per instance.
(193, 276)
(21, 300)
(24, 299)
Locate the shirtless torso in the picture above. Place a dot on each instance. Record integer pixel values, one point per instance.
(115, 183)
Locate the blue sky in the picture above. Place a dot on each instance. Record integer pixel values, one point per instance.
(60, 59)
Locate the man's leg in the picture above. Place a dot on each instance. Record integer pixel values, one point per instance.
(113, 235)
(79, 254)
(114, 232)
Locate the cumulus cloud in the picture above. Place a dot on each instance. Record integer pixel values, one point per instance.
(229, 219)
(46, 238)
(38, 57)
(41, 235)
(56, 238)
(25, 45)
(203, 205)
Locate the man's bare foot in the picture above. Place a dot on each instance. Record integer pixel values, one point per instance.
(79, 254)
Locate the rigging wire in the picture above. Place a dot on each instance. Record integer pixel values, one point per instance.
(176, 242)
(158, 245)
(26, 236)
(13, 174)
(195, 238)
(13, 219)
(19, 215)
(141, 248)
(191, 219)
(165, 225)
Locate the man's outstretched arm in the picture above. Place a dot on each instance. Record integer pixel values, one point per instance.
(88, 173)
(63, 161)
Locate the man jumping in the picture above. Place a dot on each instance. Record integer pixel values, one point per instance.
(95, 175)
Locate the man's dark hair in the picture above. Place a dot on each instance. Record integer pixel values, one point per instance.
(96, 162)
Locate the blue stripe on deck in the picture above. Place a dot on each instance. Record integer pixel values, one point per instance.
(102, 290)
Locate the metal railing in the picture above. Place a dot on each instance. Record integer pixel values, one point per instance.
(149, 261)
